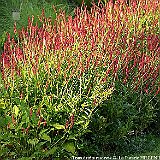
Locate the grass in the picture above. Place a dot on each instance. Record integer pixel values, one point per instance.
(149, 146)
(156, 150)
(27, 9)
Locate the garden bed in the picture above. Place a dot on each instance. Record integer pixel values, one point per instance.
(85, 85)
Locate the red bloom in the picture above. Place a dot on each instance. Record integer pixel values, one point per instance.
(67, 123)
(8, 126)
(27, 130)
(44, 123)
(158, 91)
(38, 112)
(13, 120)
(15, 30)
(94, 101)
(72, 121)
(39, 123)
(30, 112)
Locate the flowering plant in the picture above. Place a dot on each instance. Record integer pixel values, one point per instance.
(57, 75)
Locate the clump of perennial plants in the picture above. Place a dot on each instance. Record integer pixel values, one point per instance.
(57, 75)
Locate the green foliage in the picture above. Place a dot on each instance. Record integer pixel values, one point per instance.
(118, 125)
(86, 2)
(40, 126)
(89, 2)
(27, 8)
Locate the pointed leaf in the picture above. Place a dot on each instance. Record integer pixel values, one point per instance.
(72, 137)
(2, 104)
(33, 141)
(51, 151)
(24, 158)
(69, 146)
(16, 110)
(80, 122)
(45, 137)
(58, 126)
(43, 131)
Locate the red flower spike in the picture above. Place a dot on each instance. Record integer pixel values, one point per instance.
(103, 80)
(47, 83)
(27, 130)
(158, 91)
(13, 120)
(39, 123)
(67, 124)
(72, 121)
(125, 80)
(127, 72)
(94, 102)
(44, 123)
(59, 66)
(34, 69)
(38, 112)
(30, 112)
(107, 72)
(41, 119)
(8, 125)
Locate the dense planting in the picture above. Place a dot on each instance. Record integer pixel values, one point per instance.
(75, 76)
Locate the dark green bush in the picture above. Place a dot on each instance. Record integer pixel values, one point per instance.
(117, 122)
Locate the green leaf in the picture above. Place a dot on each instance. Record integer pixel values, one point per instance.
(3, 122)
(33, 141)
(39, 145)
(69, 146)
(13, 153)
(27, 120)
(43, 131)
(84, 105)
(2, 104)
(12, 126)
(24, 158)
(16, 110)
(45, 137)
(51, 151)
(80, 122)
(34, 119)
(52, 129)
(58, 126)
(72, 137)
(88, 131)
(86, 124)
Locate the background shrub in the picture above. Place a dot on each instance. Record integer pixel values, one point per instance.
(27, 8)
